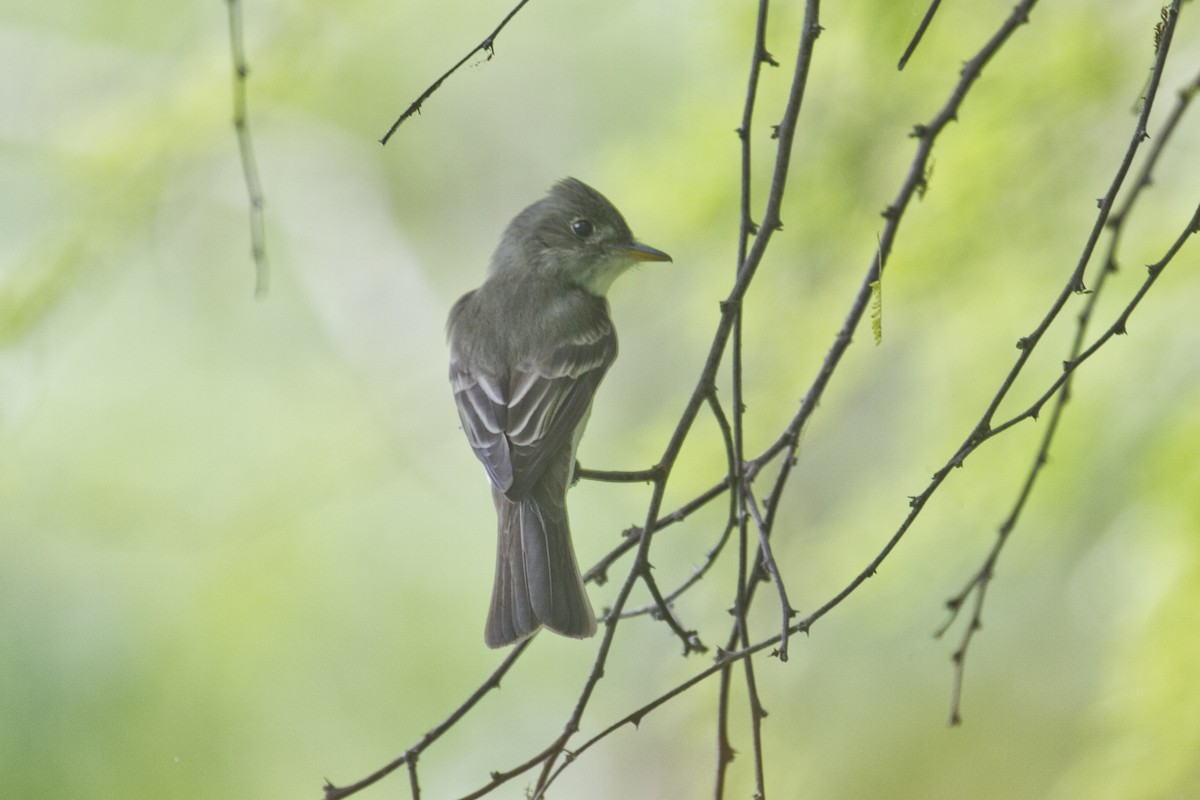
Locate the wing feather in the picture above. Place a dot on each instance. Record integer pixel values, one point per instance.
(522, 394)
(551, 395)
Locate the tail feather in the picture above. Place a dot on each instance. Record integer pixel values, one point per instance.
(537, 578)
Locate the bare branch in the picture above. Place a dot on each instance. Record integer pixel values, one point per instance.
(488, 45)
(916, 39)
(1060, 389)
(241, 125)
(755, 567)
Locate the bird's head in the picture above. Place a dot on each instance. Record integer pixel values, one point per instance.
(575, 235)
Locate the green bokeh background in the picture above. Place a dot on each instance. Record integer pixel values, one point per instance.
(244, 548)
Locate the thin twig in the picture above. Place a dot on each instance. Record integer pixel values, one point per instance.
(979, 582)
(741, 625)
(1074, 284)
(1060, 389)
(767, 559)
(493, 682)
(488, 45)
(698, 573)
(414, 785)
(618, 476)
(690, 639)
(598, 573)
(241, 126)
(916, 39)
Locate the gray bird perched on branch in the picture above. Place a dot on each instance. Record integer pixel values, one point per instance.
(528, 350)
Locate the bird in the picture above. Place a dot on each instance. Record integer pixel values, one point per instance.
(528, 349)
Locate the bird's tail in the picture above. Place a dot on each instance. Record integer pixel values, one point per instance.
(537, 577)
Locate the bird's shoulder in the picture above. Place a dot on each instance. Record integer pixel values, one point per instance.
(508, 320)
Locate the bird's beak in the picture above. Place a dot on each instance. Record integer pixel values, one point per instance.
(641, 252)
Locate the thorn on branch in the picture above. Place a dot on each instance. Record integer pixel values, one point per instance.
(890, 212)
(919, 131)
(774, 131)
(765, 57)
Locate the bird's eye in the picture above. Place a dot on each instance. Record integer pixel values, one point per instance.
(582, 228)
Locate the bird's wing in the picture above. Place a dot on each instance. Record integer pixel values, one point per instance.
(482, 400)
(550, 396)
(518, 421)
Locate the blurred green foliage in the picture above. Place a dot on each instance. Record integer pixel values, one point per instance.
(244, 549)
